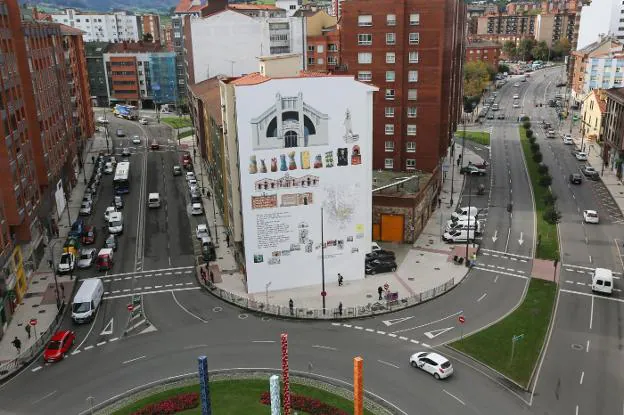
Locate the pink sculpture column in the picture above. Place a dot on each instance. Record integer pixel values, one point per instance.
(285, 378)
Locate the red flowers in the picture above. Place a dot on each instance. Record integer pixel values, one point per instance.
(305, 404)
(172, 405)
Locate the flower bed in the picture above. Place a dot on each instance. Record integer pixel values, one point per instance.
(172, 405)
(308, 405)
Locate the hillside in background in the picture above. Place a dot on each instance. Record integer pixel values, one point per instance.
(160, 6)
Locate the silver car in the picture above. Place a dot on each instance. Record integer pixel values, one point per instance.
(85, 208)
(86, 258)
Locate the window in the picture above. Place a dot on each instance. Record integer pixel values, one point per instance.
(365, 39)
(365, 76)
(411, 112)
(411, 129)
(332, 47)
(389, 112)
(320, 49)
(389, 163)
(391, 19)
(414, 19)
(413, 57)
(390, 57)
(390, 76)
(410, 164)
(365, 20)
(293, 7)
(412, 76)
(311, 49)
(365, 57)
(389, 94)
(414, 38)
(390, 38)
(310, 61)
(320, 61)
(412, 94)
(389, 129)
(410, 146)
(389, 146)
(331, 60)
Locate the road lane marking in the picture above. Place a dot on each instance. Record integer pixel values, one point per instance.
(133, 360)
(487, 252)
(426, 345)
(195, 346)
(403, 338)
(501, 272)
(114, 339)
(263, 341)
(383, 362)
(582, 376)
(336, 324)
(88, 347)
(392, 335)
(316, 346)
(112, 297)
(414, 341)
(100, 344)
(370, 330)
(453, 396)
(591, 313)
(429, 323)
(186, 310)
(481, 298)
(43, 397)
(381, 332)
(358, 327)
(36, 369)
(587, 347)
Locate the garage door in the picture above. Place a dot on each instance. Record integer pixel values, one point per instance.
(376, 232)
(392, 228)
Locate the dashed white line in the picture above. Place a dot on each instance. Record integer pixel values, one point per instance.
(133, 360)
(370, 330)
(415, 341)
(100, 344)
(157, 286)
(316, 346)
(114, 339)
(336, 324)
(347, 325)
(263, 341)
(454, 397)
(403, 338)
(426, 345)
(358, 327)
(587, 348)
(149, 287)
(481, 298)
(381, 332)
(383, 362)
(582, 376)
(392, 335)
(36, 369)
(75, 352)
(88, 347)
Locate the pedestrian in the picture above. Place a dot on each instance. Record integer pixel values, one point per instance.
(227, 240)
(380, 290)
(340, 280)
(18, 344)
(202, 272)
(291, 306)
(27, 328)
(439, 202)
(51, 264)
(340, 308)
(93, 159)
(211, 277)
(208, 194)
(63, 291)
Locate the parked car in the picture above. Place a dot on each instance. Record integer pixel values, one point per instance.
(177, 170)
(85, 208)
(108, 212)
(581, 156)
(473, 170)
(136, 139)
(551, 134)
(490, 116)
(516, 96)
(120, 133)
(118, 202)
(125, 152)
(143, 121)
(67, 263)
(190, 176)
(500, 116)
(102, 120)
(155, 145)
(576, 178)
(376, 266)
(111, 242)
(381, 255)
(589, 171)
(590, 216)
(568, 140)
(196, 209)
(516, 104)
(202, 231)
(432, 363)
(86, 258)
(108, 168)
(89, 235)
(59, 345)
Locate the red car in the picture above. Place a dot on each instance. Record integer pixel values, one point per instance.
(155, 145)
(186, 158)
(88, 237)
(59, 345)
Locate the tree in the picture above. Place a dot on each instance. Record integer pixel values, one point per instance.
(561, 47)
(502, 68)
(524, 49)
(477, 75)
(509, 49)
(540, 51)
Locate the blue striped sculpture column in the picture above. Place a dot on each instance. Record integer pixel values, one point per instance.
(276, 407)
(204, 386)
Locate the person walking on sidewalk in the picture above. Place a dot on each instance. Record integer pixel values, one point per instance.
(340, 308)
(340, 278)
(27, 328)
(379, 291)
(291, 306)
(18, 344)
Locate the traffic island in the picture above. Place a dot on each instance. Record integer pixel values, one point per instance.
(479, 137)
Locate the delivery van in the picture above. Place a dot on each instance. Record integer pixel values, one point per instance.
(87, 300)
(464, 225)
(602, 281)
(464, 211)
(153, 200)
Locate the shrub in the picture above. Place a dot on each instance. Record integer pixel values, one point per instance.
(550, 199)
(545, 180)
(552, 215)
(537, 156)
(173, 405)
(525, 118)
(532, 139)
(529, 134)
(303, 403)
(526, 124)
(542, 169)
(535, 147)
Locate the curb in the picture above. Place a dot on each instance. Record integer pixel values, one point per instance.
(372, 402)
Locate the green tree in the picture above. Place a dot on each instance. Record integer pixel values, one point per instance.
(524, 49)
(502, 68)
(509, 49)
(477, 75)
(561, 47)
(540, 51)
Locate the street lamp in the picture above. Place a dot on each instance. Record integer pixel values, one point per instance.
(323, 293)
(53, 266)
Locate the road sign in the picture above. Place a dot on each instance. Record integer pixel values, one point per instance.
(130, 307)
(33, 322)
(323, 293)
(461, 319)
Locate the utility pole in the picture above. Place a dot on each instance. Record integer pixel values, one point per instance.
(323, 293)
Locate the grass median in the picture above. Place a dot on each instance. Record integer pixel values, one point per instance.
(548, 247)
(493, 346)
(479, 137)
(177, 122)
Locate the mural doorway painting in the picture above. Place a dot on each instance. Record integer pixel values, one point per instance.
(290, 139)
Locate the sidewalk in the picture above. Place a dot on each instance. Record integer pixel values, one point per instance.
(425, 269)
(39, 302)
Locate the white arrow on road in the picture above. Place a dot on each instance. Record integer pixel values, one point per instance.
(520, 241)
(108, 329)
(394, 321)
(435, 333)
(495, 237)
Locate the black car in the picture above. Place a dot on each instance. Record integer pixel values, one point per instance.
(120, 133)
(381, 255)
(576, 178)
(560, 85)
(473, 170)
(377, 266)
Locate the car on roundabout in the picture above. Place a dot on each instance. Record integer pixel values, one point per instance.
(433, 363)
(59, 345)
(136, 139)
(473, 170)
(591, 216)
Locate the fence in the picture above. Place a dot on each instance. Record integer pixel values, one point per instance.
(370, 309)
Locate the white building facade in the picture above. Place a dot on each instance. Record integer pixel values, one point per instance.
(229, 43)
(601, 17)
(116, 27)
(291, 6)
(604, 72)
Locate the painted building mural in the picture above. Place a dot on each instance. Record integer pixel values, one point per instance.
(305, 147)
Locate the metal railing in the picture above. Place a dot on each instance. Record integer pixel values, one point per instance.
(370, 309)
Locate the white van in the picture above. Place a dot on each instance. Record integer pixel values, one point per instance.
(465, 211)
(87, 300)
(153, 200)
(458, 236)
(460, 225)
(115, 223)
(602, 281)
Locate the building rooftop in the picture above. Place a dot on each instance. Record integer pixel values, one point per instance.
(210, 93)
(135, 47)
(617, 93)
(305, 13)
(594, 46)
(68, 30)
(398, 184)
(256, 78)
(247, 6)
(187, 6)
(600, 99)
(482, 44)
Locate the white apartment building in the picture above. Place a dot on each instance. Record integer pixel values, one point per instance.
(230, 42)
(291, 6)
(601, 17)
(113, 27)
(604, 72)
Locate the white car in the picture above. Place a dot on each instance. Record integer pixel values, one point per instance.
(516, 104)
(115, 223)
(102, 120)
(143, 121)
(516, 85)
(568, 140)
(590, 216)
(516, 96)
(432, 363)
(87, 258)
(136, 139)
(202, 231)
(196, 209)
(109, 210)
(108, 168)
(192, 183)
(125, 152)
(581, 156)
(67, 263)
(190, 176)
(85, 208)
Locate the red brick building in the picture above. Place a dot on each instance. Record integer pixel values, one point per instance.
(413, 51)
(488, 52)
(151, 25)
(322, 40)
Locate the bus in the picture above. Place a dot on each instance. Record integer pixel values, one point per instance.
(121, 181)
(128, 112)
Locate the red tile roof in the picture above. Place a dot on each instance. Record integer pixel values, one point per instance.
(602, 103)
(246, 6)
(186, 6)
(210, 93)
(68, 30)
(254, 78)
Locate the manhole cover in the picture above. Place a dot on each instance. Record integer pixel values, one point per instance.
(577, 347)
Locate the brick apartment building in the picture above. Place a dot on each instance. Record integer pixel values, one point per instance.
(485, 51)
(413, 51)
(151, 25)
(322, 40)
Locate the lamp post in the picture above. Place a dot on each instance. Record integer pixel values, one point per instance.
(322, 262)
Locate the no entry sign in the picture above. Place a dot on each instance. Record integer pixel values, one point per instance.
(33, 321)
(461, 319)
(130, 307)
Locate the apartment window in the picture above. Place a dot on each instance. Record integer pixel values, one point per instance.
(365, 20)
(389, 163)
(320, 61)
(414, 38)
(389, 129)
(389, 112)
(365, 39)
(390, 76)
(390, 38)
(332, 47)
(413, 57)
(389, 94)
(391, 19)
(410, 146)
(411, 129)
(331, 60)
(389, 146)
(310, 61)
(411, 112)
(412, 94)
(365, 58)
(390, 57)
(410, 164)
(414, 19)
(412, 76)
(365, 76)
(320, 49)
(311, 49)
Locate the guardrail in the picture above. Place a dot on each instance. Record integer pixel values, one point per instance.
(367, 310)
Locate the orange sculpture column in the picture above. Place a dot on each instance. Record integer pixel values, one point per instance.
(358, 386)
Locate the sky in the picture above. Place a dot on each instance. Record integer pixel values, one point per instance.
(595, 19)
